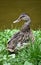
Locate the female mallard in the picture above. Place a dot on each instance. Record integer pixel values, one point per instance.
(23, 36)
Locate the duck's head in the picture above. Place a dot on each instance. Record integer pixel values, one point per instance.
(22, 17)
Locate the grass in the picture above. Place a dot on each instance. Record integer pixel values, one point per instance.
(27, 56)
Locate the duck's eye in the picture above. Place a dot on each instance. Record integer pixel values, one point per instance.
(22, 17)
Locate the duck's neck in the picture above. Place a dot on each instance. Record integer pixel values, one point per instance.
(28, 22)
(26, 26)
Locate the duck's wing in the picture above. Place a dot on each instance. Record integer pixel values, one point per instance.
(14, 36)
(17, 37)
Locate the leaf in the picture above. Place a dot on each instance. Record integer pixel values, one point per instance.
(5, 63)
(12, 55)
(27, 63)
(39, 63)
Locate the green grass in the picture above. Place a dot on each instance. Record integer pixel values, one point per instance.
(27, 56)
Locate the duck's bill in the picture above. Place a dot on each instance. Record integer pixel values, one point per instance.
(16, 21)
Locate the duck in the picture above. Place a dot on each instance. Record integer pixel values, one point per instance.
(21, 38)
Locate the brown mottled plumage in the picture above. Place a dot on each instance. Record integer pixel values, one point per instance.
(23, 36)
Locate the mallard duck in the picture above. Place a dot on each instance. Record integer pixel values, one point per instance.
(21, 38)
